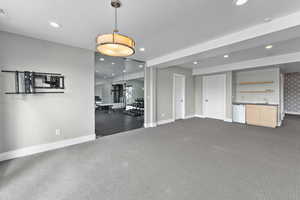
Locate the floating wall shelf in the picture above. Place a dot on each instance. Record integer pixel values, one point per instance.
(256, 83)
(261, 91)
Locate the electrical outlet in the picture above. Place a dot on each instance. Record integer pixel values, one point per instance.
(57, 132)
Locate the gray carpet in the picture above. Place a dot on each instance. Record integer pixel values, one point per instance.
(187, 160)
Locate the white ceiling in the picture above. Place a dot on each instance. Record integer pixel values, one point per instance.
(105, 69)
(242, 52)
(159, 26)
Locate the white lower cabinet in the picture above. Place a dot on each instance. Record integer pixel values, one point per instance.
(239, 113)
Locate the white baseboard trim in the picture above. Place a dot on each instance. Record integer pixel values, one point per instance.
(150, 125)
(293, 113)
(189, 116)
(45, 147)
(227, 120)
(167, 121)
(200, 116)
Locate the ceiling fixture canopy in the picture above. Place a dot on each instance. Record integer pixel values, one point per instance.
(115, 44)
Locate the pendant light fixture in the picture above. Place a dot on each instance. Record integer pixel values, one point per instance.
(115, 44)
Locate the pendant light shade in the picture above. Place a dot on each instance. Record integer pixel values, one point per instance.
(115, 44)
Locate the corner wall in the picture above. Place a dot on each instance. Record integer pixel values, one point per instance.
(164, 91)
(198, 96)
(27, 120)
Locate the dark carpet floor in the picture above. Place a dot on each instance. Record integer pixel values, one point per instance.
(116, 122)
(191, 159)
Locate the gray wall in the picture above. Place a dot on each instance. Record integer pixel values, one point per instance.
(292, 92)
(32, 119)
(268, 74)
(198, 95)
(229, 97)
(164, 91)
(147, 119)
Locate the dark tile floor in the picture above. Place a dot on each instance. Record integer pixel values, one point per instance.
(116, 122)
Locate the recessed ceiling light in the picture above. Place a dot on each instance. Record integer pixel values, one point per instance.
(54, 24)
(268, 19)
(113, 63)
(226, 56)
(2, 12)
(142, 49)
(101, 59)
(240, 2)
(195, 63)
(112, 74)
(269, 46)
(124, 71)
(141, 66)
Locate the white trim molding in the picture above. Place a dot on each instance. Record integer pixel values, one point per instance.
(45, 147)
(166, 121)
(200, 116)
(228, 120)
(189, 116)
(150, 125)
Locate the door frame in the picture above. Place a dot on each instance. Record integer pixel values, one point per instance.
(184, 94)
(225, 95)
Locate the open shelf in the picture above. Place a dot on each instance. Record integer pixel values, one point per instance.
(256, 83)
(259, 91)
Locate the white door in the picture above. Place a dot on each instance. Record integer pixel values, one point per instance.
(214, 91)
(179, 90)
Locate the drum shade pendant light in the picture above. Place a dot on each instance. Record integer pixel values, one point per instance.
(115, 44)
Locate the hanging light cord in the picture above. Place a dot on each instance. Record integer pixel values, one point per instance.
(116, 21)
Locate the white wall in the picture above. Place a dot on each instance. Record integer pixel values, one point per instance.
(131, 76)
(27, 120)
(164, 91)
(99, 90)
(138, 90)
(104, 90)
(150, 104)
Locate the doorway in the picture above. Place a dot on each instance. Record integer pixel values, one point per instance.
(119, 95)
(214, 94)
(178, 96)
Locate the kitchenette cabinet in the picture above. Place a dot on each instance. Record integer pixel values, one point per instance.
(262, 115)
(256, 114)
